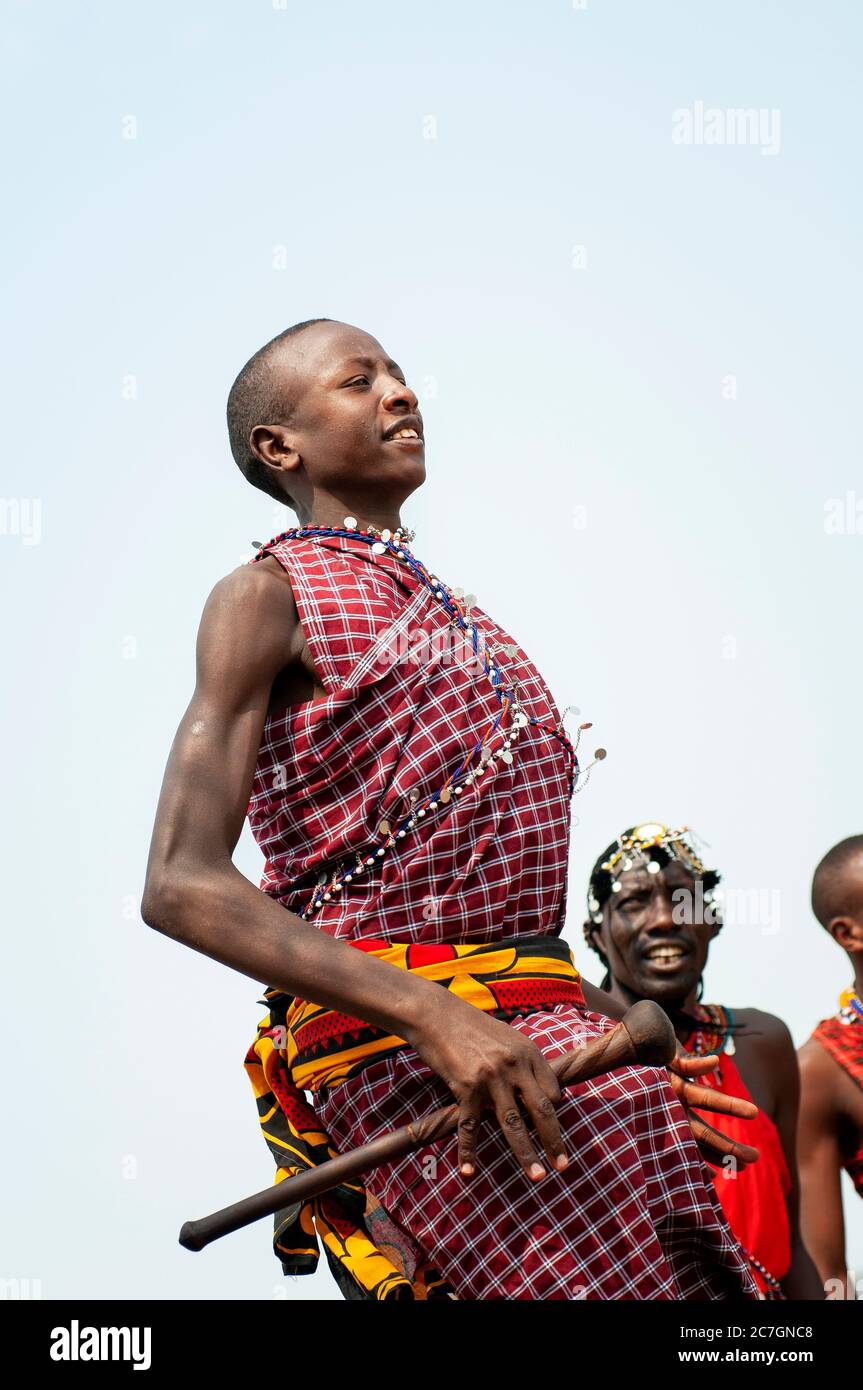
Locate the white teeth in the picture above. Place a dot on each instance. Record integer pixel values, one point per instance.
(405, 434)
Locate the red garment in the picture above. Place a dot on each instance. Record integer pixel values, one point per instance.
(634, 1215)
(753, 1198)
(491, 864)
(844, 1042)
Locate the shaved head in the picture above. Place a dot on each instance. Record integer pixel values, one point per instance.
(837, 884)
(257, 397)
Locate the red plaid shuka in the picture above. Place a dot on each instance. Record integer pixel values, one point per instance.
(635, 1214)
(489, 865)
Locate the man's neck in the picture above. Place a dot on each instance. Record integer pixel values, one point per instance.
(331, 511)
(624, 995)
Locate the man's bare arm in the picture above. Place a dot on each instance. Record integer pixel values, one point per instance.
(821, 1217)
(196, 895)
(802, 1280)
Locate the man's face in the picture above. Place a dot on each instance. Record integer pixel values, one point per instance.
(654, 945)
(350, 398)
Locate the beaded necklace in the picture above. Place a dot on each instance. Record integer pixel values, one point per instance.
(396, 542)
(717, 1035)
(850, 1006)
(774, 1288)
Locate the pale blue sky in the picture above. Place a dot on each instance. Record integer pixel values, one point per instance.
(656, 543)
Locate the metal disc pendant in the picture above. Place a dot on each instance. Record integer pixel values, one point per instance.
(379, 548)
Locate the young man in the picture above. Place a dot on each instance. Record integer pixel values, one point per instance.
(652, 919)
(406, 773)
(831, 1068)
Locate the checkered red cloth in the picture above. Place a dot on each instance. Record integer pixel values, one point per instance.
(491, 864)
(635, 1214)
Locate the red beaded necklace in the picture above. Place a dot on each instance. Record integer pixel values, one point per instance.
(715, 1034)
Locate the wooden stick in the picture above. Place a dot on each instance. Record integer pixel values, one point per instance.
(643, 1037)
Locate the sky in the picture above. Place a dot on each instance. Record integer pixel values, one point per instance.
(632, 319)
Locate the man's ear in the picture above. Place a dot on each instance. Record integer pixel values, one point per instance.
(593, 937)
(847, 932)
(276, 447)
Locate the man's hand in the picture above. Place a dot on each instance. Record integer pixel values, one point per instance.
(490, 1066)
(714, 1146)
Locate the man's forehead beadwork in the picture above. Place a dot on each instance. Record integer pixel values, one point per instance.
(650, 846)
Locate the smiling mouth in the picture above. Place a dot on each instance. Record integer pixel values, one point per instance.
(406, 436)
(666, 955)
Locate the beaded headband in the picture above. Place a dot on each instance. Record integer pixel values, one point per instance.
(652, 847)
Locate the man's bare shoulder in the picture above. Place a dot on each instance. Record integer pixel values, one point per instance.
(820, 1074)
(766, 1039)
(770, 1029)
(249, 621)
(813, 1056)
(260, 590)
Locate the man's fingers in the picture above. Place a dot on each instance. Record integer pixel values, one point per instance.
(712, 1142)
(514, 1128)
(714, 1145)
(707, 1099)
(540, 1108)
(677, 1085)
(546, 1078)
(469, 1120)
(688, 1064)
